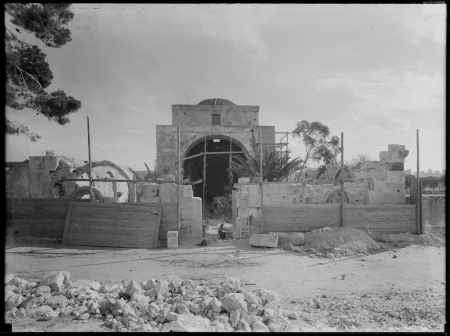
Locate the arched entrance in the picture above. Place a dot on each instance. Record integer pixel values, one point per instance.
(217, 174)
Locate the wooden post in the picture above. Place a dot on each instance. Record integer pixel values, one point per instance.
(419, 192)
(204, 177)
(342, 179)
(135, 192)
(179, 187)
(230, 175)
(287, 149)
(91, 195)
(261, 178)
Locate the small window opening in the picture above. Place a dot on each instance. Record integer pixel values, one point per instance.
(215, 119)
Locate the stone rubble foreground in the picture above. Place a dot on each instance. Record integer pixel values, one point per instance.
(170, 304)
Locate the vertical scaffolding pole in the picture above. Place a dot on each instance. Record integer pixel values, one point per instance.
(342, 179)
(91, 195)
(204, 176)
(179, 186)
(419, 192)
(261, 178)
(135, 192)
(287, 149)
(230, 175)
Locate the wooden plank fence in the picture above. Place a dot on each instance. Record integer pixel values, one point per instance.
(168, 217)
(37, 217)
(115, 225)
(377, 219)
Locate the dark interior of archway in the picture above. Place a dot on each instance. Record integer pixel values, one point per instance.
(217, 175)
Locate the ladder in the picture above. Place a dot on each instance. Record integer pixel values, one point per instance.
(244, 225)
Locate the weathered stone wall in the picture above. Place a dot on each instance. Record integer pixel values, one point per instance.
(40, 177)
(369, 183)
(433, 211)
(166, 139)
(190, 207)
(230, 115)
(17, 180)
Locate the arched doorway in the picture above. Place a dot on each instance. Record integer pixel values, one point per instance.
(217, 174)
(83, 192)
(335, 197)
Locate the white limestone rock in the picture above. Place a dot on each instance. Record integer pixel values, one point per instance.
(263, 240)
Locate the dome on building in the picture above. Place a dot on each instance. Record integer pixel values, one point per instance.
(216, 101)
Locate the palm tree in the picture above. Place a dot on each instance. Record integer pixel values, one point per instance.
(277, 165)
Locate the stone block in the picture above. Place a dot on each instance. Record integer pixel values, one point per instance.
(146, 199)
(244, 180)
(186, 191)
(172, 239)
(36, 163)
(49, 152)
(196, 228)
(264, 240)
(150, 190)
(169, 177)
(167, 190)
(51, 163)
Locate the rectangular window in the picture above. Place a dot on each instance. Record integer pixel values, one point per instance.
(216, 119)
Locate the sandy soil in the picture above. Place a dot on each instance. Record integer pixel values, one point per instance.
(290, 274)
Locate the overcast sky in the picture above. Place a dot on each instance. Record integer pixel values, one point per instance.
(374, 72)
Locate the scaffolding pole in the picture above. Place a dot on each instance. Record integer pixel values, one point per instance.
(179, 186)
(91, 195)
(230, 175)
(204, 176)
(261, 179)
(342, 179)
(419, 192)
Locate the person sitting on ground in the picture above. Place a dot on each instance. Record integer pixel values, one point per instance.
(222, 233)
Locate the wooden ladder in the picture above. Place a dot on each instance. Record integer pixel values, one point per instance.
(244, 224)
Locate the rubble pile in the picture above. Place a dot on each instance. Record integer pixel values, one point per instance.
(433, 236)
(171, 304)
(337, 242)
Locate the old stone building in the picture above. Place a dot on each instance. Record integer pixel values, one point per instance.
(218, 125)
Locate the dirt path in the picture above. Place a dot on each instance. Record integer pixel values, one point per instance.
(290, 274)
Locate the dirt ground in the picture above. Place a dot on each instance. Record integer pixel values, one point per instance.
(296, 277)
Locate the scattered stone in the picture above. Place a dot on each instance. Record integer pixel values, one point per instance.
(12, 300)
(12, 288)
(84, 316)
(8, 278)
(189, 323)
(133, 287)
(234, 301)
(39, 311)
(288, 247)
(291, 315)
(235, 316)
(54, 280)
(42, 289)
(266, 295)
(258, 326)
(59, 301)
(50, 315)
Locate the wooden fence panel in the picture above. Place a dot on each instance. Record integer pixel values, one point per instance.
(377, 219)
(37, 217)
(168, 217)
(115, 225)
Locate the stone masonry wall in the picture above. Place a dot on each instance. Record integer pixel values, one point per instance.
(166, 139)
(190, 207)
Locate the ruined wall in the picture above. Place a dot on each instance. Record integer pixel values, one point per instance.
(190, 207)
(230, 115)
(17, 180)
(166, 138)
(297, 193)
(40, 177)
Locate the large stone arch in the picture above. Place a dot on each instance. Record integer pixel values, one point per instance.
(80, 192)
(333, 196)
(347, 173)
(198, 138)
(105, 163)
